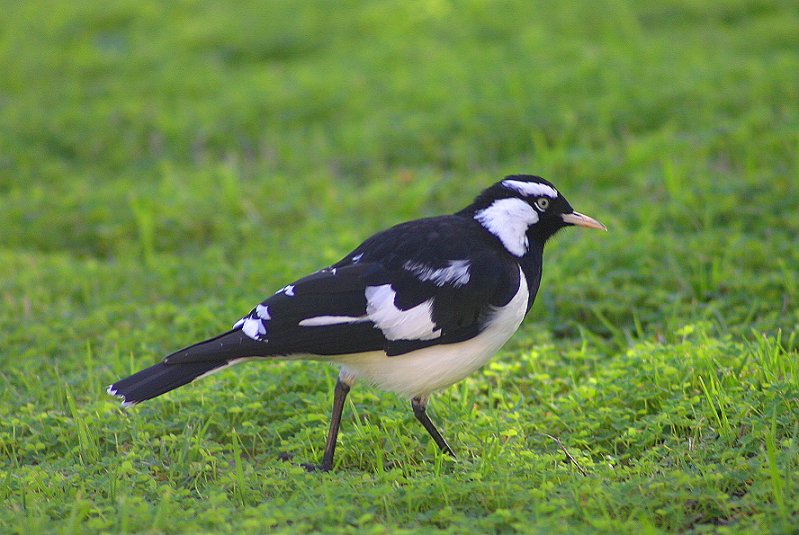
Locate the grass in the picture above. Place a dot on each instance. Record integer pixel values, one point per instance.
(165, 166)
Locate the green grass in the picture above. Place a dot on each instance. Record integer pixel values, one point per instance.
(164, 166)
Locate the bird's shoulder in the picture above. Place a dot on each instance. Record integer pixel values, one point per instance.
(425, 282)
(434, 239)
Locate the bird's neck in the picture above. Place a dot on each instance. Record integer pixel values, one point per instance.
(531, 264)
(533, 252)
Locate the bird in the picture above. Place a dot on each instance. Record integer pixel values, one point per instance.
(411, 310)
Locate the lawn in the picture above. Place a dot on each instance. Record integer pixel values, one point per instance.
(166, 165)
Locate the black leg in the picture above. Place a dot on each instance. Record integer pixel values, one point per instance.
(420, 411)
(340, 394)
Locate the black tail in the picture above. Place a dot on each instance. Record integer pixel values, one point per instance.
(186, 365)
(159, 379)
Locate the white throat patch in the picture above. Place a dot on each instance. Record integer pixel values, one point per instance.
(508, 220)
(531, 189)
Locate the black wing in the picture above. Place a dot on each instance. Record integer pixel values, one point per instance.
(409, 287)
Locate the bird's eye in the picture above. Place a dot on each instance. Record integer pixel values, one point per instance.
(542, 203)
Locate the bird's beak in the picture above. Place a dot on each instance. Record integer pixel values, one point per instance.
(576, 218)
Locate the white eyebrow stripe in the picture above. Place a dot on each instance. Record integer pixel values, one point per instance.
(321, 321)
(531, 189)
(456, 273)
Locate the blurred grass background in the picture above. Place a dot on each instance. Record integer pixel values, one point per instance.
(164, 166)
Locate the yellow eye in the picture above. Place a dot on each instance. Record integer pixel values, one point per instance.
(542, 203)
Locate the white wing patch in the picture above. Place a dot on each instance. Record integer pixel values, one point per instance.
(508, 220)
(432, 368)
(254, 324)
(254, 328)
(289, 290)
(262, 311)
(413, 324)
(531, 189)
(320, 321)
(457, 273)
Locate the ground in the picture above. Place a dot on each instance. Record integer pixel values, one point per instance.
(165, 166)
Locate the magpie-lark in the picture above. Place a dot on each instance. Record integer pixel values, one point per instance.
(412, 310)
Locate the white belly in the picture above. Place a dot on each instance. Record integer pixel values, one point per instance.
(424, 371)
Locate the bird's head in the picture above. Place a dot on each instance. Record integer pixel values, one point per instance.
(525, 210)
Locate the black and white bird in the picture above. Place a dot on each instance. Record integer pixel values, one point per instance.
(412, 310)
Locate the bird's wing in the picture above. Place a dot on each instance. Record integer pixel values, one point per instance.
(402, 290)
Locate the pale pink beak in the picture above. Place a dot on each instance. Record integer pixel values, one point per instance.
(576, 218)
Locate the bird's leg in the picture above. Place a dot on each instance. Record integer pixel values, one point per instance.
(339, 395)
(419, 405)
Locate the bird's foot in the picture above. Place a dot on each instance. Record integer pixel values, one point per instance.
(309, 467)
(313, 467)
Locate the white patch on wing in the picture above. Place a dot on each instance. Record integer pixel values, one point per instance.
(457, 273)
(253, 327)
(413, 324)
(531, 189)
(321, 321)
(357, 258)
(262, 311)
(508, 220)
(288, 290)
(426, 370)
